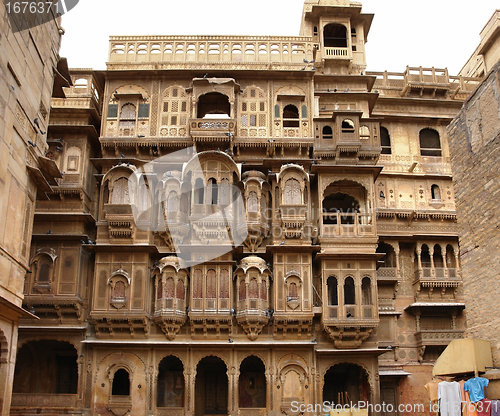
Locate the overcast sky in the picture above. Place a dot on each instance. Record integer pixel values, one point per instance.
(439, 33)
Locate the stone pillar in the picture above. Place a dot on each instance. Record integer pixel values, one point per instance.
(419, 261)
(445, 266)
(397, 253)
(431, 255)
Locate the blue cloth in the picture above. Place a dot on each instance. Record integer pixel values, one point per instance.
(475, 386)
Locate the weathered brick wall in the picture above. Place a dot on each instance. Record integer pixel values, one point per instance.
(475, 157)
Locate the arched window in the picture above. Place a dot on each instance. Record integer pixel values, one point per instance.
(184, 203)
(225, 190)
(121, 383)
(385, 141)
(199, 192)
(169, 288)
(364, 132)
(213, 103)
(172, 202)
(120, 192)
(425, 256)
(253, 289)
(335, 36)
(290, 116)
(292, 291)
(292, 194)
(212, 192)
(333, 297)
(253, 205)
(327, 133)
(451, 261)
(144, 200)
(119, 290)
(349, 291)
(389, 260)
(437, 256)
(44, 265)
(366, 290)
(347, 126)
(242, 293)
(211, 284)
(435, 193)
(430, 144)
(127, 116)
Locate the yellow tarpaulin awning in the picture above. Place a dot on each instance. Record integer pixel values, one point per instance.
(463, 356)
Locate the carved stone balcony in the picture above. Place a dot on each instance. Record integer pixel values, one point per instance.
(388, 274)
(63, 308)
(178, 227)
(437, 283)
(120, 405)
(258, 228)
(208, 129)
(252, 316)
(347, 224)
(337, 53)
(120, 221)
(56, 403)
(114, 326)
(439, 337)
(170, 316)
(293, 218)
(348, 326)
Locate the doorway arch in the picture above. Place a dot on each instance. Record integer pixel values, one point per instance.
(346, 383)
(211, 387)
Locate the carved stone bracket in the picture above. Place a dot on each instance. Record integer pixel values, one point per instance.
(170, 325)
(348, 336)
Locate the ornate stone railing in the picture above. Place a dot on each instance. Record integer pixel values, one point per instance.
(337, 53)
(457, 86)
(438, 337)
(205, 49)
(44, 400)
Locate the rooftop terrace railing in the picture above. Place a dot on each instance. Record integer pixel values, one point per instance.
(205, 49)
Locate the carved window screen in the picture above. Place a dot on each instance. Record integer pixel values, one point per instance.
(180, 290)
(253, 289)
(169, 288)
(253, 202)
(175, 107)
(120, 192)
(292, 194)
(211, 284)
(197, 284)
(224, 284)
(242, 291)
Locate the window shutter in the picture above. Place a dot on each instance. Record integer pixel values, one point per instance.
(143, 110)
(112, 110)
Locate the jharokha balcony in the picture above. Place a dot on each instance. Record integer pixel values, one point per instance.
(436, 273)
